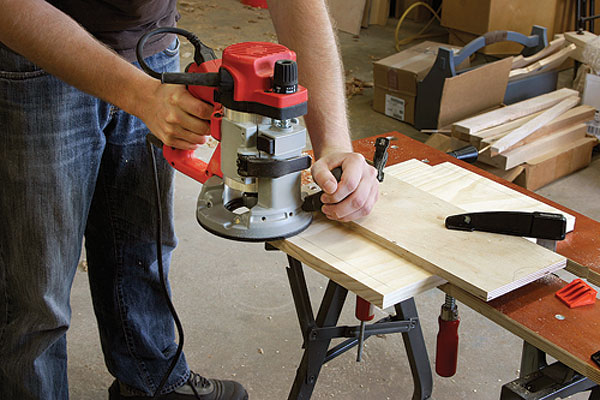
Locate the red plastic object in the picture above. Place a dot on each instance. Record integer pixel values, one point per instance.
(577, 294)
(364, 310)
(446, 357)
(256, 3)
(184, 160)
(251, 66)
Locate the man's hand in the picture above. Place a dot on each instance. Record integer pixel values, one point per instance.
(176, 117)
(356, 193)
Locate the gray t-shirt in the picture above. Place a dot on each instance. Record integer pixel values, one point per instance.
(121, 23)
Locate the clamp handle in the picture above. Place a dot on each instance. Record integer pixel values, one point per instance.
(446, 354)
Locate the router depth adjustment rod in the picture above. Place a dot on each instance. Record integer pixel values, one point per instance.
(252, 183)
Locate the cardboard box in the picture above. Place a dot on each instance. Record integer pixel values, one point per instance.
(395, 79)
(469, 19)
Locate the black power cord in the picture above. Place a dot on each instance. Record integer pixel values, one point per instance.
(202, 53)
(163, 281)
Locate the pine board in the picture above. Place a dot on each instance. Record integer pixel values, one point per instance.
(513, 111)
(358, 264)
(531, 126)
(468, 190)
(520, 61)
(550, 143)
(410, 222)
(582, 113)
(478, 138)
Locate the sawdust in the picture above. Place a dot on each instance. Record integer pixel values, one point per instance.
(355, 86)
(82, 266)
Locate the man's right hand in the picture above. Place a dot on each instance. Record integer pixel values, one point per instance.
(176, 117)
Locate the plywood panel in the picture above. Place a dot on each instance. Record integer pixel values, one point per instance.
(358, 264)
(468, 190)
(410, 222)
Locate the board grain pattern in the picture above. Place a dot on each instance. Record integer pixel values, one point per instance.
(410, 222)
(547, 144)
(582, 113)
(513, 111)
(520, 61)
(468, 190)
(374, 273)
(531, 126)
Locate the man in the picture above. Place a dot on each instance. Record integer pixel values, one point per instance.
(73, 118)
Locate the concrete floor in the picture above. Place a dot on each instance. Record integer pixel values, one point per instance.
(234, 298)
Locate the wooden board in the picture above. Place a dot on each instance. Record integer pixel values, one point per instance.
(555, 45)
(358, 264)
(380, 10)
(513, 111)
(547, 144)
(580, 41)
(544, 64)
(498, 131)
(347, 14)
(574, 116)
(531, 126)
(410, 222)
(468, 190)
(581, 245)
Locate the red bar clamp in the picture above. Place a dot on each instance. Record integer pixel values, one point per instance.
(577, 294)
(446, 357)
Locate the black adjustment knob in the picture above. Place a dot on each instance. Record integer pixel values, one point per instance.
(285, 77)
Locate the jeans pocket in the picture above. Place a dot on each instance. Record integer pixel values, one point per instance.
(15, 67)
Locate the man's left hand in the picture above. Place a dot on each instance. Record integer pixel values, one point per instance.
(356, 193)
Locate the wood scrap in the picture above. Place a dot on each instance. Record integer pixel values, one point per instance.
(478, 138)
(538, 148)
(355, 86)
(513, 111)
(531, 126)
(555, 45)
(579, 114)
(544, 64)
(580, 40)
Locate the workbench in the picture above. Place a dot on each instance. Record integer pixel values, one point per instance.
(529, 312)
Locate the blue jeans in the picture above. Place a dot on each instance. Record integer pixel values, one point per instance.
(74, 166)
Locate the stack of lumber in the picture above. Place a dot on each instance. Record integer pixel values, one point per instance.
(547, 134)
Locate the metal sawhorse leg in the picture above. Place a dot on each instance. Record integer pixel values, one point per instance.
(540, 381)
(317, 335)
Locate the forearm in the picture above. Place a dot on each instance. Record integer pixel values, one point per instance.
(304, 26)
(55, 42)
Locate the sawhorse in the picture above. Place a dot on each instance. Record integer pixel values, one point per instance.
(317, 335)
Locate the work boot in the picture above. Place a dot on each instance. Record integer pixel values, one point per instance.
(196, 388)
